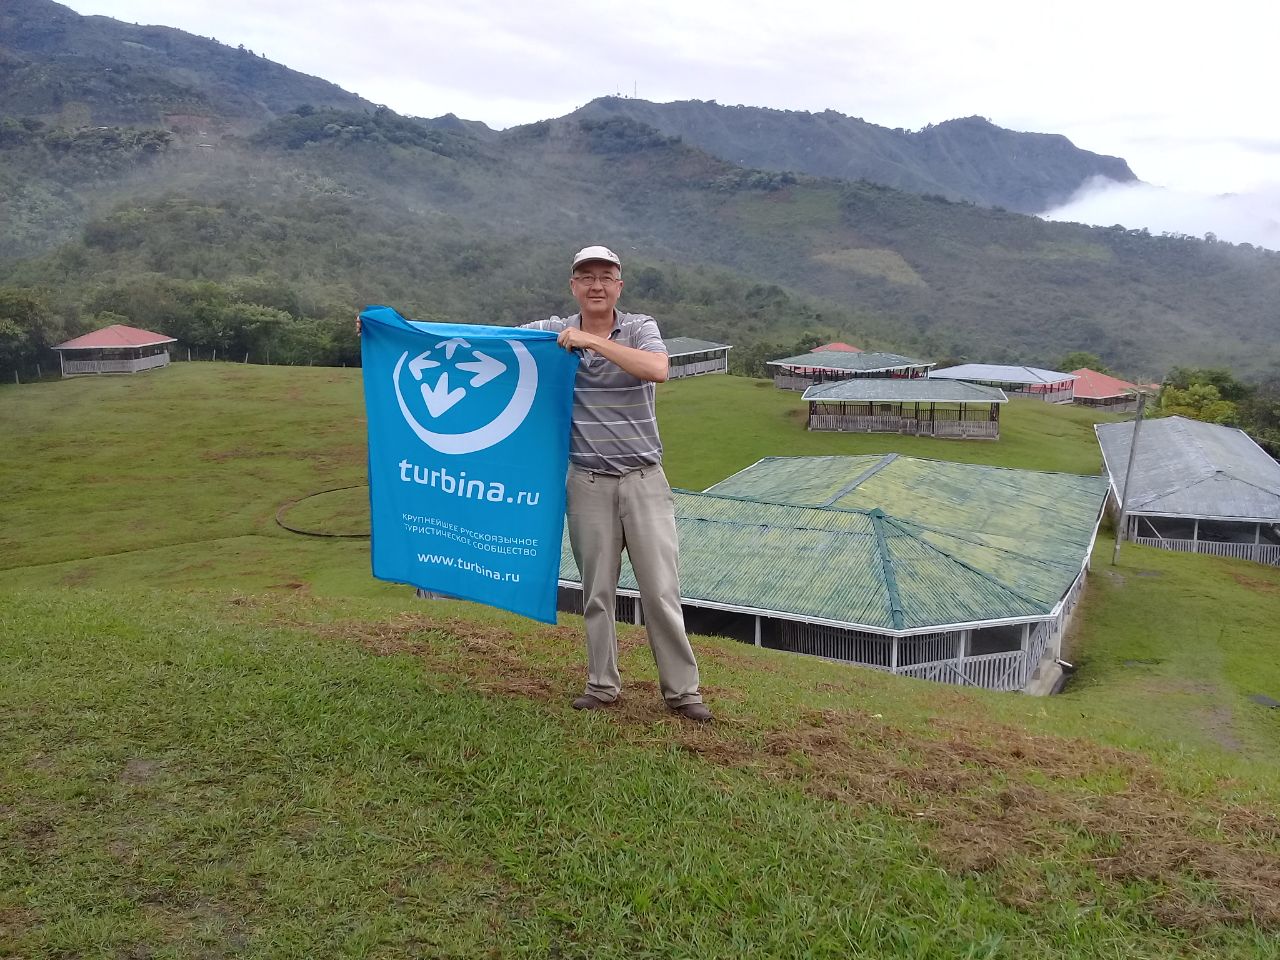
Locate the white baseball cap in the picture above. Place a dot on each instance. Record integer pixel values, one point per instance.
(588, 254)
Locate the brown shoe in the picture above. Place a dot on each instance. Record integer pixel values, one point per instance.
(694, 711)
(588, 702)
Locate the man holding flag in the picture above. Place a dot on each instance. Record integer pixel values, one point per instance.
(618, 495)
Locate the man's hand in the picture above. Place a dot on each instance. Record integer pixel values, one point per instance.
(573, 338)
(357, 324)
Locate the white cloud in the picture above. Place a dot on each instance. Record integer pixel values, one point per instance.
(1252, 217)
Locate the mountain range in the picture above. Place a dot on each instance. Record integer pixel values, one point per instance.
(155, 175)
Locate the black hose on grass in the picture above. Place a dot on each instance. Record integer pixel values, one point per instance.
(315, 533)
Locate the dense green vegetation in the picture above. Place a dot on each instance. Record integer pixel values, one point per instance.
(218, 738)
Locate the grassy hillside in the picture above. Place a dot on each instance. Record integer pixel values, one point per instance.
(217, 738)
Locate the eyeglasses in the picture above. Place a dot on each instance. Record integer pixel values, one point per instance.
(591, 280)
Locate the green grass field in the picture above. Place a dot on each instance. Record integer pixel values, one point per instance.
(221, 739)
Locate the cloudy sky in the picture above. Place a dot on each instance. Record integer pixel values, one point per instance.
(1187, 100)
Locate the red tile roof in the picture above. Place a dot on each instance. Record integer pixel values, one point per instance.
(116, 335)
(846, 347)
(1092, 385)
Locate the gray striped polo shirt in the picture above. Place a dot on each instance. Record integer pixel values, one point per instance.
(615, 425)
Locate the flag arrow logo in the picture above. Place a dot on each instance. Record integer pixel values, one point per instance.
(485, 368)
(420, 363)
(440, 398)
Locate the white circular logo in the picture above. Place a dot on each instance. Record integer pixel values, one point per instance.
(440, 396)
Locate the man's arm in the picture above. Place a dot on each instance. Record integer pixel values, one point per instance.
(642, 364)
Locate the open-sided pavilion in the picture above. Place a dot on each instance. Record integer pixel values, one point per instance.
(953, 572)
(690, 357)
(1031, 382)
(1196, 487)
(926, 407)
(114, 349)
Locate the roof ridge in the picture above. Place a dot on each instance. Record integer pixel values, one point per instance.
(968, 566)
(896, 614)
(867, 474)
(1180, 423)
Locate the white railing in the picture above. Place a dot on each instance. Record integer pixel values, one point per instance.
(114, 366)
(926, 648)
(835, 643)
(1258, 552)
(679, 370)
(1041, 637)
(991, 671)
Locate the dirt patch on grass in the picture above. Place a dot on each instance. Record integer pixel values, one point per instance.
(137, 771)
(15, 921)
(1255, 583)
(990, 798)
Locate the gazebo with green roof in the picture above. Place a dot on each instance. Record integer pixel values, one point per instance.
(823, 366)
(953, 572)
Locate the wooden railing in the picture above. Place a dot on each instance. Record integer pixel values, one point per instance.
(982, 429)
(908, 425)
(1268, 553)
(784, 382)
(679, 370)
(831, 421)
(114, 366)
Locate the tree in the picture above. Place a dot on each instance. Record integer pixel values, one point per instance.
(1200, 401)
(1080, 358)
(26, 327)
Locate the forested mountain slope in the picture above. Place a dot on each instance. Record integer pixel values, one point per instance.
(965, 159)
(274, 201)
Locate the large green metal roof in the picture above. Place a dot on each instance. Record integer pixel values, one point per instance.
(946, 544)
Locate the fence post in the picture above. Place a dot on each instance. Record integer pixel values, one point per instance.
(15, 377)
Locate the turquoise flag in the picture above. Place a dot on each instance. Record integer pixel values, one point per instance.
(468, 450)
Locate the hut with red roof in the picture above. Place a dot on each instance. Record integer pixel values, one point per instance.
(1094, 389)
(839, 347)
(114, 349)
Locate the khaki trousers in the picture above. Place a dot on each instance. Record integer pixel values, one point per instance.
(635, 511)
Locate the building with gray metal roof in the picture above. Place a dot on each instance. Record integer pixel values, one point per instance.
(1196, 487)
(924, 407)
(946, 571)
(690, 357)
(1033, 382)
(823, 366)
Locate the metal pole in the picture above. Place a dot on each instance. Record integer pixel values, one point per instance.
(1128, 474)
